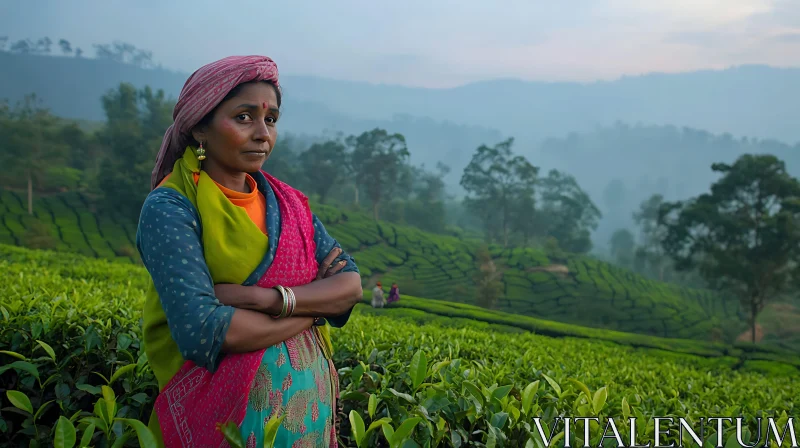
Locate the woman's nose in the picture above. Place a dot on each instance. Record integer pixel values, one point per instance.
(261, 132)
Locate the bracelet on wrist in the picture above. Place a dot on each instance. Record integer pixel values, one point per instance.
(285, 303)
(292, 302)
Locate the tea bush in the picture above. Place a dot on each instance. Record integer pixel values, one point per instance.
(72, 372)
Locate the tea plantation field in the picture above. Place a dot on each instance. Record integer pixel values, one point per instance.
(72, 369)
(580, 290)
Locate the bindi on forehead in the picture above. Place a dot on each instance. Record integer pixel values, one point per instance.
(265, 105)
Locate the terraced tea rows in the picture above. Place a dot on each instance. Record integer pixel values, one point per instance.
(577, 290)
(71, 221)
(73, 323)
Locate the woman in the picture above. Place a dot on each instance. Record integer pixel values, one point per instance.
(377, 296)
(243, 273)
(394, 294)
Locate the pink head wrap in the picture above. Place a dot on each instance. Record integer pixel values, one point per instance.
(203, 91)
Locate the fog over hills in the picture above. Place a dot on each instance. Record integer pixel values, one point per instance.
(655, 133)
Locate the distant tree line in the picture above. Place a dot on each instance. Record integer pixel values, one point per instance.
(117, 51)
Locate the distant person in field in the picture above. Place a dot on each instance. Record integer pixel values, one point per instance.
(245, 277)
(377, 296)
(394, 294)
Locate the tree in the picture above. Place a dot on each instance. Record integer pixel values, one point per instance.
(78, 52)
(623, 246)
(284, 161)
(743, 236)
(378, 159)
(524, 219)
(66, 47)
(43, 45)
(568, 212)
(124, 53)
(652, 233)
(31, 148)
(23, 46)
(324, 166)
(488, 280)
(426, 209)
(136, 121)
(494, 180)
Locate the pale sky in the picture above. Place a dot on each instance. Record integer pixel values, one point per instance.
(432, 43)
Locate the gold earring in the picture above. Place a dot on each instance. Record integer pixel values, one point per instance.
(201, 153)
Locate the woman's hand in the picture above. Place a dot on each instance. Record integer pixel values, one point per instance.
(268, 300)
(328, 268)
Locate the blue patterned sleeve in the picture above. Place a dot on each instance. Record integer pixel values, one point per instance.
(169, 241)
(325, 243)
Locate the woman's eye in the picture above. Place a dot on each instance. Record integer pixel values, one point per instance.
(243, 116)
(271, 120)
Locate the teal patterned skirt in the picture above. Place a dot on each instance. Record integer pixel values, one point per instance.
(294, 379)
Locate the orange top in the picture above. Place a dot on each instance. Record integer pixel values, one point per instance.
(254, 203)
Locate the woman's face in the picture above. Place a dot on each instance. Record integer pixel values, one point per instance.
(242, 131)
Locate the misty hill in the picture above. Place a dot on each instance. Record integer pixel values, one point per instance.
(679, 123)
(752, 101)
(72, 88)
(620, 166)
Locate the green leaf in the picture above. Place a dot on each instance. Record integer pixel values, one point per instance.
(232, 434)
(418, 369)
(388, 432)
(41, 410)
(48, 349)
(582, 387)
(491, 439)
(474, 390)
(558, 437)
(406, 397)
(501, 392)
(120, 442)
(372, 405)
(357, 426)
(404, 431)
(357, 374)
(94, 390)
(21, 365)
(527, 396)
(121, 371)
(375, 425)
(111, 402)
(499, 420)
(599, 399)
(146, 439)
(271, 430)
(553, 384)
(455, 438)
(20, 400)
(65, 433)
(88, 433)
(626, 409)
(14, 354)
(732, 442)
(97, 422)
